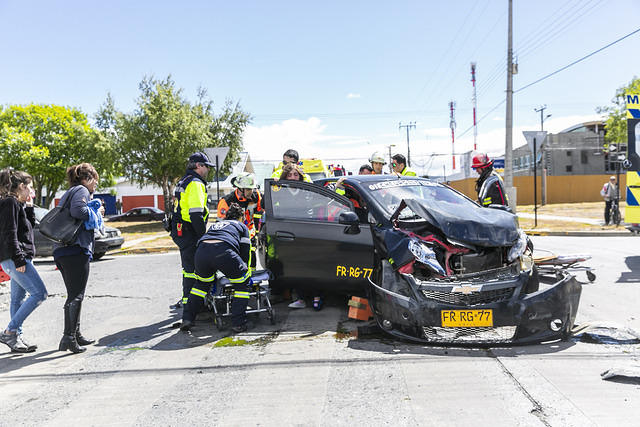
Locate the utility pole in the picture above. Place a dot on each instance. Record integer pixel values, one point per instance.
(474, 100)
(508, 146)
(390, 162)
(542, 155)
(408, 126)
(452, 125)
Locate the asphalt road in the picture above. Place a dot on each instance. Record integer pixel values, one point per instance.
(143, 372)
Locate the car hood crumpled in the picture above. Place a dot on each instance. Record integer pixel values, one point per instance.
(481, 227)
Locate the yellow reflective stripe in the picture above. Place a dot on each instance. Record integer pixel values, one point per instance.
(257, 215)
(206, 279)
(189, 275)
(244, 295)
(246, 276)
(340, 191)
(198, 292)
(390, 260)
(185, 300)
(486, 201)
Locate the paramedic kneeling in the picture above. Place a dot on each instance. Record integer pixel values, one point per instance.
(225, 247)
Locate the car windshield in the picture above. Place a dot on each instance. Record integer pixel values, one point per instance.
(390, 193)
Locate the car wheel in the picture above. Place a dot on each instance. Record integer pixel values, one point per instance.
(98, 255)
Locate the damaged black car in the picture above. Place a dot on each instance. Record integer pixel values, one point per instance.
(435, 266)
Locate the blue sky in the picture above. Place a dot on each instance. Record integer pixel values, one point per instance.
(333, 78)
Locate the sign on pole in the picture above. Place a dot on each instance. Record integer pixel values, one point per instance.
(217, 155)
(539, 136)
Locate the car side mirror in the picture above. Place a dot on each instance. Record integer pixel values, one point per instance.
(350, 219)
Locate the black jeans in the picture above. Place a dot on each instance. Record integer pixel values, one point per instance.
(75, 273)
(607, 208)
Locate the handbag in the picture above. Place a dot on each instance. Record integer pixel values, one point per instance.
(58, 224)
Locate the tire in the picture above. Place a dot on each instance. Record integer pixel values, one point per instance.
(98, 255)
(616, 217)
(272, 316)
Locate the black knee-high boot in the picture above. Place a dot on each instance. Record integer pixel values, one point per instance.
(68, 341)
(79, 338)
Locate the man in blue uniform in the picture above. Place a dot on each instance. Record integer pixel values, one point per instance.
(226, 246)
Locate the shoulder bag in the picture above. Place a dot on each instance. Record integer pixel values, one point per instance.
(58, 224)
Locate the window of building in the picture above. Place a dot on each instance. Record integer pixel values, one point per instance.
(584, 157)
(569, 168)
(568, 153)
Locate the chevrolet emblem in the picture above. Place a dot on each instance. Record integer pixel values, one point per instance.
(467, 289)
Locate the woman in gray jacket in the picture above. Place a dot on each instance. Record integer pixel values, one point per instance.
(73, 259)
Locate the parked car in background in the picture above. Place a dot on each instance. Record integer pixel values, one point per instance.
(112, 238)
(139, 214)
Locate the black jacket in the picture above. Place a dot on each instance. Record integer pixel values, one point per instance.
(491, 189)
(16, 231)
(234, 233)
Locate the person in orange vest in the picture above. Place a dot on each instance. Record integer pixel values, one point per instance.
(377, 162)
(245, 195)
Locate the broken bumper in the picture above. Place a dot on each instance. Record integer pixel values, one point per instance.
(413, 310)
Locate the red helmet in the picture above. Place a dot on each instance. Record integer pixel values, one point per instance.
(480, 161)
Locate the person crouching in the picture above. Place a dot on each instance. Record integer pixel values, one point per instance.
(226, 246)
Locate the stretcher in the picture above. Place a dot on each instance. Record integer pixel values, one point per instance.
(219, 298)
(553, 264)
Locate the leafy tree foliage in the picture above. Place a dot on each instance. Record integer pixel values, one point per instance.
(617, 114)
(44, 140)
(155, 141)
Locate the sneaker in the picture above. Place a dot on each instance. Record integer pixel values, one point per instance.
(186, 325)
(317, 303)
(298, 304)
(176, 305)
(30, 347)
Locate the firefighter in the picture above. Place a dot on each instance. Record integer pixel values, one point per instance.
(225, 247)
(289, 156)
(245, 195)
(189, 218)
(399, 166)
(377, 162)
(489, 185)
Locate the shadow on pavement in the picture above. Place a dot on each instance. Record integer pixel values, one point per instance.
(633, 276)
(13, 361)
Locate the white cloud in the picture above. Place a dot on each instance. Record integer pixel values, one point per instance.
(353, 95)
(498, 119)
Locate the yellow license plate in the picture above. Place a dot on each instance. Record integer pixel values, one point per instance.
(462, 318)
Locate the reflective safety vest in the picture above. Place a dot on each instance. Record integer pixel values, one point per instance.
(408, 172)
(191, 199)
(251, 220)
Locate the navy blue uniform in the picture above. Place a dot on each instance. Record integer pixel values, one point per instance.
(226, 247)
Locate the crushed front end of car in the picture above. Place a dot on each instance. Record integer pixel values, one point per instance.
(467, 278)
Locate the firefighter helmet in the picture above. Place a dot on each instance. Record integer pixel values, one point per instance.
(244, 180)
(377, 157)
(480, 161)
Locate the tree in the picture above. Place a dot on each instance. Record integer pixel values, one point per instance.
(155, 141)
(616, 125)
(44, 140)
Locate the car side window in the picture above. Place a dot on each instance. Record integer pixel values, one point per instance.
(301, 203)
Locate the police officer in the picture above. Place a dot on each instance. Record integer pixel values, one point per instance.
(225, 247)
(377, 162)
(190, 215)
(245, 195)
(289, 156)
(399, 166)
(489, 185)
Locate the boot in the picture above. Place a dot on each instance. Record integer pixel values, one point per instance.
(81, 340)
(68, 341)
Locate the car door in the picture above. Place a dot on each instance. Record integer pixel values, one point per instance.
(304, 245)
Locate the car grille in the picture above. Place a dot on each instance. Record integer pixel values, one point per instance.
(474, 298)
(475, 334)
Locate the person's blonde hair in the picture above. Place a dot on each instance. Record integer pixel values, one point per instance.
(291, 167)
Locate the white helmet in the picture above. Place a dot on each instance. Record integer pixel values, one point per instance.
(378, 158)
(244, 180)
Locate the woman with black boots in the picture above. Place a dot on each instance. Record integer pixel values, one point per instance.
(73, 259)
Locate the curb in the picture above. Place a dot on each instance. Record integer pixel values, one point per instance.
(129, 251)
(587, 233)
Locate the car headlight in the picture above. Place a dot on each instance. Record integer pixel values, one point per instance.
(426, 256)
(519, 247)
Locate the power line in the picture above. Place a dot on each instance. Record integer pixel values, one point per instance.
(577, 61)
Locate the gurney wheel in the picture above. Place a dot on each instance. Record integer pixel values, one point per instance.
(591, 276)
(272, 316)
